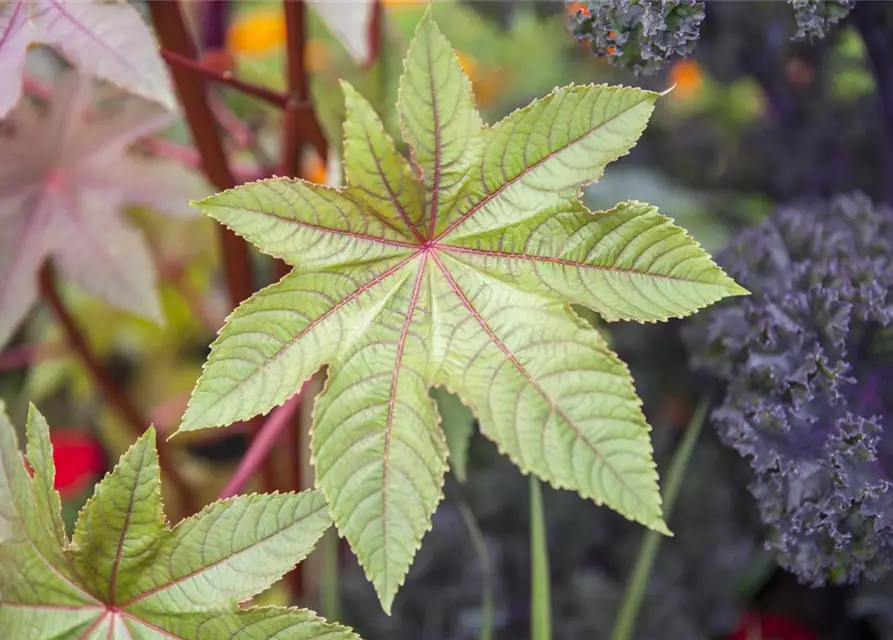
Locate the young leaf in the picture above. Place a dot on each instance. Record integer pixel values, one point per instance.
(457, 269)
(65, 171)
(104, 38)
(125, 574)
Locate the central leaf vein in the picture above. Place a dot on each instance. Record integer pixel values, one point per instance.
(526, 375)
(435, 112)
(392, 403)
(525, 171)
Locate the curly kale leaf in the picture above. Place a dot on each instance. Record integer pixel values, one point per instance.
(816, 17)
(642, 35)
(805, 366)
(645, 35)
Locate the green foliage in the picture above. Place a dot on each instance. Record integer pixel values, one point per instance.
(125, 574)
(457, 423)
(456, 269)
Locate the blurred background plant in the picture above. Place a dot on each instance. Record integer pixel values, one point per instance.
(774, 103)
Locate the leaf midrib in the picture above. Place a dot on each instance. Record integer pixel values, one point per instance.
(119, 551)
(122, 59)
(230, 556)
(316, 322)
(33, 544)
(301, 223)
(502, 187)
(529, 379)
(401, 210)
(392, 402)
(569, 263)
(12, 21)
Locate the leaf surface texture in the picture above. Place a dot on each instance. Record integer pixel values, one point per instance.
(106, 39)
(456, 267)
(126, 575)
(67, 167)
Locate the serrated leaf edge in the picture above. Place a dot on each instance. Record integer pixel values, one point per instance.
(334, 627)
(423, 23)
(242, 497)
(558, 485)
(386, 601)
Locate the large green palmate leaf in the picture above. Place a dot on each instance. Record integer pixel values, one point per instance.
(125, 575)
(456, 269)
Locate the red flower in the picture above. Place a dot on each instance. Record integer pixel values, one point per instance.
(762, 626)
(79, 460)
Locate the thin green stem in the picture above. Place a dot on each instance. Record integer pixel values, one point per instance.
(540, 597)
(330, 576)
(638, 583)
(480, 548)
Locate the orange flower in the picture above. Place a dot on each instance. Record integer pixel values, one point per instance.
(574, 7)
(469, 66)
(399, 4)
(485, 82)
(312, 167)
(688, 78)
(256, 33)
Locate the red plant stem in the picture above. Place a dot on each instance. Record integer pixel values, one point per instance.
(298, 86)
(300, 125)
(294, 436)
(376, 25)
(257, 453)
(190, 85)
(240, 132)
(295, 444)
(225, 77)
(109, 386)
(193, 94)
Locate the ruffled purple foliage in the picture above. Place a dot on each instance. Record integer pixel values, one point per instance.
(645, 35)
(809, 397)
(642, 35)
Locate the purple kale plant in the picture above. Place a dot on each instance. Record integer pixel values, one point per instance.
(816, 17)
(808, 382)
(642, 35)
(645, 35)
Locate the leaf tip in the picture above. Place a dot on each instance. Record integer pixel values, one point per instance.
(661, 527)
(387, 601)
(148, 437)
(737, 290)
(203, 203)
(667, 91)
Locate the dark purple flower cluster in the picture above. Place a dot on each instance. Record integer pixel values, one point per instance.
(809, 375)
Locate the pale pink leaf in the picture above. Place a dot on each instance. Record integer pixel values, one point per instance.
(105, 38)
(14, 41)
(100, 252)
(151, 182)
(67, 169)
(350, 21)
(23, 247)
